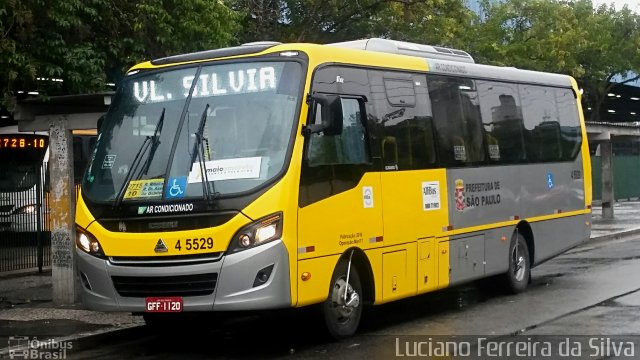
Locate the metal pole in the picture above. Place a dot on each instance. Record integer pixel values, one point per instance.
(39, 178)
(606, 153)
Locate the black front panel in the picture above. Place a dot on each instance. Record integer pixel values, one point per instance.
(162, 223)
(184, 285)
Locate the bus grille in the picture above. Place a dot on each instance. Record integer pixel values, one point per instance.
(184, 285)
(170, 260)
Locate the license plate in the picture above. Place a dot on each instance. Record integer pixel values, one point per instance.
(163, 304)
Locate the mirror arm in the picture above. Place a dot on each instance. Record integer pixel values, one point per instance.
(313, 129)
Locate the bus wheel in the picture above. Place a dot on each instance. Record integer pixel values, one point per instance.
(343, 308)
(517, 278)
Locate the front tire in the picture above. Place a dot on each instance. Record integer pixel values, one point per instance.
(341, 316)
(519, 273)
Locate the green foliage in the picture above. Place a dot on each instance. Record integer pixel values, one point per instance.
(592, 45)
(88, 43)
(438, 22)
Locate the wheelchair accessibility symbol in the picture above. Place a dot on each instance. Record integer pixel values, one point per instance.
(176, 187)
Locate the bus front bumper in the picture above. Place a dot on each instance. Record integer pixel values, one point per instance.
(238, 281)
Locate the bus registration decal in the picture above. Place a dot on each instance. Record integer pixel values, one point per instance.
(144, 189)
(367, 197)
(430, 195)
(227, 169)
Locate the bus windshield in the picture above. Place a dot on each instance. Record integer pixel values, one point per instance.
(169, 137)
(20, 161)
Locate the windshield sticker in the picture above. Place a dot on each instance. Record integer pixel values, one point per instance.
(430, 195)
(108, 161)
(144, 189)
(227, 169)
(176, 187)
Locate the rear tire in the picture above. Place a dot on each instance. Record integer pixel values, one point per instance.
(343, 317)
(519, 274)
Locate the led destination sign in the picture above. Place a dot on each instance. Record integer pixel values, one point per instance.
(212, 81)
(23, 142)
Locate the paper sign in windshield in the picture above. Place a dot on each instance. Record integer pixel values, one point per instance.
(227, 169)
(144, 189)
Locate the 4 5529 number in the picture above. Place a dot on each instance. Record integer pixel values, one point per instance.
(195, 244)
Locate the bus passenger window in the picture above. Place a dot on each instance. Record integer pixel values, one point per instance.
(349, 147)
(456, 114)
(571, 135)
(542, 128)
(502, 121)
(408, 142)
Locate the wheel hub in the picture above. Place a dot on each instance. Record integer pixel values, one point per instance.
(343, 307)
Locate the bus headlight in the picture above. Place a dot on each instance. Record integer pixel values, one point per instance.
(267, 229)
(29, 209)
(88, 243)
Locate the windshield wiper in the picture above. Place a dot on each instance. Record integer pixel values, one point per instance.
(153, 140)
(198, 150)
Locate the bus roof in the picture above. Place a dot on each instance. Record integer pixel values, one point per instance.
(323, 54)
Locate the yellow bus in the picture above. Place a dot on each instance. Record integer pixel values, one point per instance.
(274, 175)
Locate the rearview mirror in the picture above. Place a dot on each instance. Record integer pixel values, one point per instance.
(330, 114)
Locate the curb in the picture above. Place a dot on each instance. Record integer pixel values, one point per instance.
(616, 235)
(84, 340)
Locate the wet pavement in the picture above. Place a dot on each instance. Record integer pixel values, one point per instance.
(591, 289)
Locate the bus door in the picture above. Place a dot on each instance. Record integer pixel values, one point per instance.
(340, 199)
(414, 193)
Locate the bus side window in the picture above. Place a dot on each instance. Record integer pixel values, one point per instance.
(456, 113)
(408, 141)
(542, 128)
(349, 147)
(502, 121)
(569, 123)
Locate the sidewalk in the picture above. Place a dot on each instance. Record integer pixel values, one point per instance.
(27, 313)
(626, 221)
(27, 309)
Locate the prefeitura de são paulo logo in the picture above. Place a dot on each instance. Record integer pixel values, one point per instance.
(459, 195)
